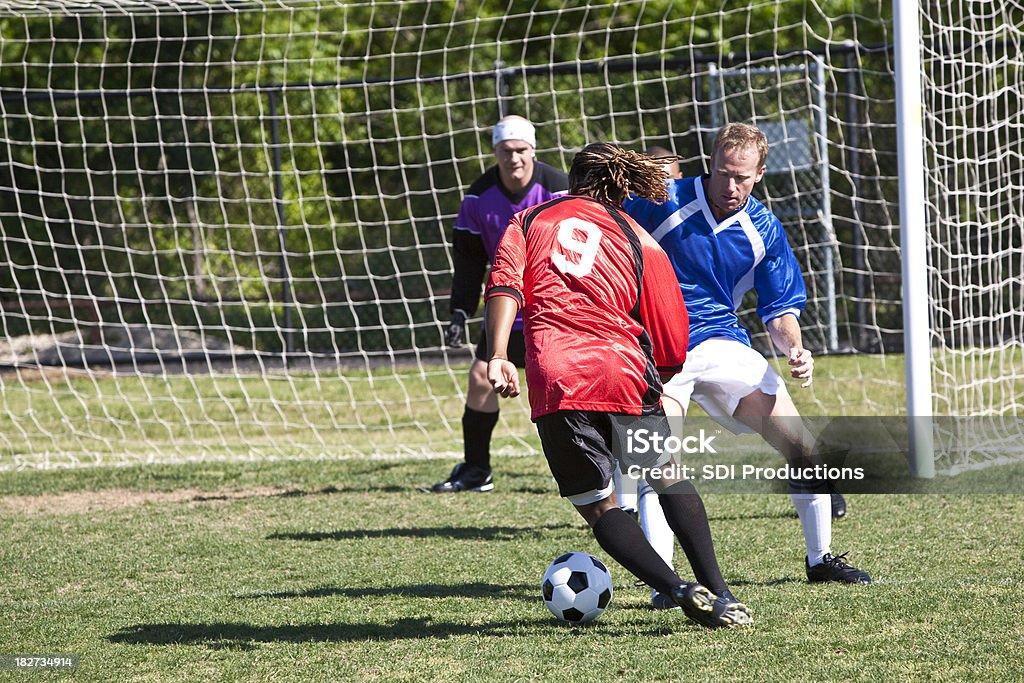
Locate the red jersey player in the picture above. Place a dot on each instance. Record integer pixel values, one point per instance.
(603, 317)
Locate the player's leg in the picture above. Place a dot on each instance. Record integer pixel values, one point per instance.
(627, 493)
(650, 513)
(776, 418)
(652, 521)
(684, 511)
(812, 505)
(639, 500)
(681, 506)
(744, 392)
(479, 418)
(577, 446)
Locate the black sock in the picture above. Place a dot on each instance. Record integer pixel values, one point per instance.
(622, 538)
(685, 513)
(818, 486)
(476, 436)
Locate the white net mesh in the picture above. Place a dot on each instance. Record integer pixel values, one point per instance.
(974, 125)
(226, 225)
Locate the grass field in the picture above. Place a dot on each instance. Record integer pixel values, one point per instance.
(70, 417)
(342, 570)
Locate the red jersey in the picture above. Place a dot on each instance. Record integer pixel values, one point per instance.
(602, 309)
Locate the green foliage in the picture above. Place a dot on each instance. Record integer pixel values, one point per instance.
(142, 153)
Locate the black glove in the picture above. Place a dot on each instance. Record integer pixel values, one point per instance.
(456, 329)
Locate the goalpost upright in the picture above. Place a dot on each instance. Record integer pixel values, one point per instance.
(913, 236)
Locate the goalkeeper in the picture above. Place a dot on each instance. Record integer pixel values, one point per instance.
(518, 181)
(723, 242)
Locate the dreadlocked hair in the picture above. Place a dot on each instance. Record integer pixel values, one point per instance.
(611, 174)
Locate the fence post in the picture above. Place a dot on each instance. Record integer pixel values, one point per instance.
(282, 243)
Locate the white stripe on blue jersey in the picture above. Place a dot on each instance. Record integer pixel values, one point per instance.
(717, 263)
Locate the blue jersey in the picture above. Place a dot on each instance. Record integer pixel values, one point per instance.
(716, 263)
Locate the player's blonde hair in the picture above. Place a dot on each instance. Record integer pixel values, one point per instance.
(611, 174)
(741, 136)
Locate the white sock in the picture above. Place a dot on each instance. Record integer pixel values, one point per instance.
(654, 524)
(815, 512)
(625, 490)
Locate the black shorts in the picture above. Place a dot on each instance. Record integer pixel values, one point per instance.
(582, 447)
(516, 347)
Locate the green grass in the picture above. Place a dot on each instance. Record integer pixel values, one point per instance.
(70, 417)
(75, 417)
(341, 570)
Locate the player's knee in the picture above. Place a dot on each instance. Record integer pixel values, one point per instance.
(478, 381)
(756, 405)
(783, 406)
(592, 512)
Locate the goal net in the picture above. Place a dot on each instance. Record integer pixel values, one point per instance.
(226, 226)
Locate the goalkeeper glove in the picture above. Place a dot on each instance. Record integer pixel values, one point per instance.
(456, 329)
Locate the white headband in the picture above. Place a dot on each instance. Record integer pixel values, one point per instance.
(514, 129)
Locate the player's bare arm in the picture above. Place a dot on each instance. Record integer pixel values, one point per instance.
(500, 313)
(785, 333)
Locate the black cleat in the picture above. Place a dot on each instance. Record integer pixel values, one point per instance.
(465, 478)
(731, 612)
(834, 570)
(838, 506)
(662, 601)
(709, 610)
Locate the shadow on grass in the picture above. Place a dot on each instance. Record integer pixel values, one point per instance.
(429, 590)
(773, 582)
(301, 493)
(786, 514)
(245, 636)
(488, 533)
(526, 489)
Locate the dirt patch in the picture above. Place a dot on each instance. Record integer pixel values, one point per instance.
(77, 502)
(54, 375)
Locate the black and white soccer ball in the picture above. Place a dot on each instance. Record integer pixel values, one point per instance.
(577, 587)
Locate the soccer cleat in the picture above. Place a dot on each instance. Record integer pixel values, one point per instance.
(466, 478)
(662, 601)
(709, 610)
(731, 612)
(834, 570)
(838, 506)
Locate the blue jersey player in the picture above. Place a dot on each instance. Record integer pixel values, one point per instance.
(722, 243)
(516, 182)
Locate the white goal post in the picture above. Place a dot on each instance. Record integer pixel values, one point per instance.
(913, 235)
(226, 226)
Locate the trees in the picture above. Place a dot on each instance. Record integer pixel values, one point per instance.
(141, 150)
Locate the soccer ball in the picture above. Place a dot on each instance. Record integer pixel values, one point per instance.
(577, 587)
